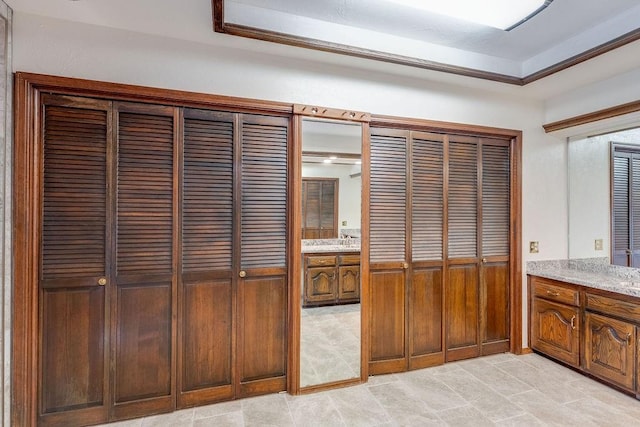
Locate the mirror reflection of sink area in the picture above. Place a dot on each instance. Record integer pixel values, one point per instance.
(330, 319)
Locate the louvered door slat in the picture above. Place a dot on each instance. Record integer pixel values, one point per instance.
(427, 200)
(635, 202)
(145, 194)
(73, 258)
(207, 230)
(495, 200)
(388, 198)
(621, 205)
(463, 196)
(73, 232)
(264, 195)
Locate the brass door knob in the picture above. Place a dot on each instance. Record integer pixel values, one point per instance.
(242, 273)
(484, 260)
(102, 281)
(405, 265)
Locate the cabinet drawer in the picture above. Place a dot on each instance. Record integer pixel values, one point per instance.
(321, 261)
(349, 259)
(614, 307)
(552, 291)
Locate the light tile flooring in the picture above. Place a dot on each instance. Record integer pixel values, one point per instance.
(329, 344)
(502, 390)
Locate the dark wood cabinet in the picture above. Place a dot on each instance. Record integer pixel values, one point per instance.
(593, 330)
(331, 279)
(610, 349)
(134, 194)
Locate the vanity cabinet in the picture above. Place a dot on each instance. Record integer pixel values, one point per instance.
(331, 279)
(593, 330)
(555, 321)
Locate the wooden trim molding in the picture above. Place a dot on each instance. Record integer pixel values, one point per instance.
(607, 113)
(331, 113)
(220, 26)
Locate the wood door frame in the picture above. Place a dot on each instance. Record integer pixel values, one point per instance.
(515, 212)
(27, 200)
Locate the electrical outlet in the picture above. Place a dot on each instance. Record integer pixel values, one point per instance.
(598, 244)
(533, 247)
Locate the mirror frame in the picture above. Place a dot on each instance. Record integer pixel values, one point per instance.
(329, 114)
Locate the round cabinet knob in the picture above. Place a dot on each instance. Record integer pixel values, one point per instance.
(102, 281)
(484, 260)
(242, 273)
(405, 265)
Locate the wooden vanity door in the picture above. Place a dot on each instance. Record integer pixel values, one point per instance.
(74, 283)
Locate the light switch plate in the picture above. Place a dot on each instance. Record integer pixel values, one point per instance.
(344, 223)
(533, 247)
(598, 244)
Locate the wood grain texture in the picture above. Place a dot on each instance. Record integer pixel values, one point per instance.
(552, 330)
(609, 349)
(387, 323)
(426, 311)
(462, 309)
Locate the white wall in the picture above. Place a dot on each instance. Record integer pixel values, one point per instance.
(349, 190)
(260, 70)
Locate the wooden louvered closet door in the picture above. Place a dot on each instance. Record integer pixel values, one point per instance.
(207, 292)
(462, 290)
(72, 298)
(494, 249)
(388, 247)
(625, 222)
(145, 294)
(477, 293)
(261, 212)
(427, 238)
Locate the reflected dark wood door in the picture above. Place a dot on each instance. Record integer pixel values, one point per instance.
(74, 278)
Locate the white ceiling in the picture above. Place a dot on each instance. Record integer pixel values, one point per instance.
(566, 26)
(564, 29)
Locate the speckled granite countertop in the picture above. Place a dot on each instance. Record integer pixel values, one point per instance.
(330, 245)
(593, 273)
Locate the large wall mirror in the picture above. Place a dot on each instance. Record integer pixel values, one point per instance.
(329, 307)
(593, 196)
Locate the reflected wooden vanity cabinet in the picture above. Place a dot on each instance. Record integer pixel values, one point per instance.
(331, 279)
(555, 320)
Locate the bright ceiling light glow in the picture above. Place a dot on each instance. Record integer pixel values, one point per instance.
(333, 157)
(358, 162)
(326, 161)
(502, 14)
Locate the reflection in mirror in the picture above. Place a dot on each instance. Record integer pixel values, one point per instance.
(331, 206)
(592, 161)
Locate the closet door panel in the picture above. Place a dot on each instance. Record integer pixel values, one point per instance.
(262, 287)
(145, 260)
(73, 379)
(621, 213)
(462, 312)
(207, 293)
(427, 243)
(494, 270)
(388, 258)
(426, 316)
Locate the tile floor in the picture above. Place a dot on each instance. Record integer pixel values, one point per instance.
(500, 390)
(329, 344)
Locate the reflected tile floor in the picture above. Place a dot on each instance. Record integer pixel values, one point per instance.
(329, 344)
(500, 390)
